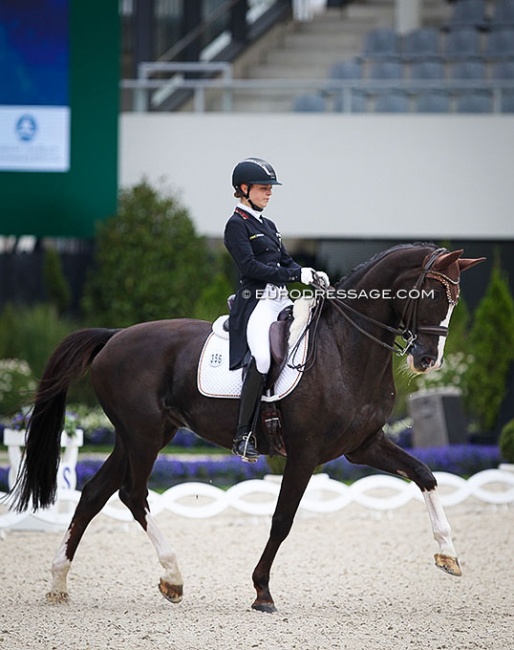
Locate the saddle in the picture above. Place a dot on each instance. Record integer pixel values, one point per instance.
(278, 339)
(270, 413)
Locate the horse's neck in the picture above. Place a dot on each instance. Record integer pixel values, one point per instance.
(371, 293)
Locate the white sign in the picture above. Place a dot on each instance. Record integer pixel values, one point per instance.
(35, 138)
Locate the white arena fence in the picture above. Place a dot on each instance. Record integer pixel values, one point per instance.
(258, 497)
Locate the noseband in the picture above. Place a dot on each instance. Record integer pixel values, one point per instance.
(409, 329)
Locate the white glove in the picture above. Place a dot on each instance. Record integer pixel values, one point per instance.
(310, 276)
(323, 279)
(307, 275)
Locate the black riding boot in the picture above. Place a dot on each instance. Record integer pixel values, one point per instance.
(251, 393)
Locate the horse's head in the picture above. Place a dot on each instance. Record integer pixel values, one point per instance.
(429, 307)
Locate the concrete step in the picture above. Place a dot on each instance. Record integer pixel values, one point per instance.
(309, 41)
(310, 71)
(308, 58)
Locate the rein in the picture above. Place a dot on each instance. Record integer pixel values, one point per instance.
(410, 329)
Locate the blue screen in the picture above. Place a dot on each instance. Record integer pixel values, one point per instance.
(34, 52)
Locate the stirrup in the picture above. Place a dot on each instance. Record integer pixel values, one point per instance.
(244, 447)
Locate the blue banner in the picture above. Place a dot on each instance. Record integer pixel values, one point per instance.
(34, 85)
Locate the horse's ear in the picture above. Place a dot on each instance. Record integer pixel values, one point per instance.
(444, 260)
(465, 264)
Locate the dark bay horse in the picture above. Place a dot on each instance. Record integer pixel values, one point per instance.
(145, 379)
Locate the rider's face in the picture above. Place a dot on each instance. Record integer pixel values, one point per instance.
(260, 195)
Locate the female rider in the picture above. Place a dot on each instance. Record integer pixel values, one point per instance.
(265, 267)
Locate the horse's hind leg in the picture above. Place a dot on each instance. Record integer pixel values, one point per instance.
(380, 452)
(134, 495)
(95, 495)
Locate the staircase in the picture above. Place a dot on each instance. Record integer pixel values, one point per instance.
(305, 51)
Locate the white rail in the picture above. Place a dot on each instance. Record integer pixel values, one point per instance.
(258, 497)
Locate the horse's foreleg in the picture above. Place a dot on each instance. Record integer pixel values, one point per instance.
(446, 559)
(380, 452)
(95, 495)
(294, 483)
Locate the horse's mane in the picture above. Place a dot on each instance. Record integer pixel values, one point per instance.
(364, 266)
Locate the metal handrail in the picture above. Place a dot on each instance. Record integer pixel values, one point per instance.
(327, 87)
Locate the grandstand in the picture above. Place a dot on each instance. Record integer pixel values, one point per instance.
(361, 56)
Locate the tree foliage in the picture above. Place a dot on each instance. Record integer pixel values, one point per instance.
(491, 344)
(56, 285)
(150, 263)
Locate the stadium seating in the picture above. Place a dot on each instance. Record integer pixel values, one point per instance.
(394, 72)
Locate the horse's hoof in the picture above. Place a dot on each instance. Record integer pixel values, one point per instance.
(57, 597)
(173, 593)
(448, 564)
(268, 608)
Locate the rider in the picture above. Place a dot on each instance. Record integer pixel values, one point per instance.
(265, 267)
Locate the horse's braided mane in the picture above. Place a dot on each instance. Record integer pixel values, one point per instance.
(363, 266)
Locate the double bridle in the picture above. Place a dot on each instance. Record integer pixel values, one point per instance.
(409, 328)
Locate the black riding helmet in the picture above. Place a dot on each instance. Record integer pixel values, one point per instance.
(254, 171)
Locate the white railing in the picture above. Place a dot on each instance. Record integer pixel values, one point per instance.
(258, 497)
(219, 90)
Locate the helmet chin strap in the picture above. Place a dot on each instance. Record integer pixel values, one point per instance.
(252, 204)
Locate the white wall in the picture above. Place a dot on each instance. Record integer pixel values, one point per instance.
(392, 176)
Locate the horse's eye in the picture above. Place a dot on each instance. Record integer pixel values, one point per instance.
(437, 295)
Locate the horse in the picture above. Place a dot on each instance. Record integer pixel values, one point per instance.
(145, 379)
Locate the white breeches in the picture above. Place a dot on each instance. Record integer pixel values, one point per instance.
(257, 330)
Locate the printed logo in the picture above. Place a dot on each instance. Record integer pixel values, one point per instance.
(26, 128)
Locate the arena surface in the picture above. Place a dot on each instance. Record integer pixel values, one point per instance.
(352, 580)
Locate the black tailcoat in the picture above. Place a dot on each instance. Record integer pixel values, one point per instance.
(261, 258)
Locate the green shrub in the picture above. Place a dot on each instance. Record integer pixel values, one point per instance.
(456, 363)
(491, 344)
(17, 386)
(31, 333)
(150, 262)
(506, 442)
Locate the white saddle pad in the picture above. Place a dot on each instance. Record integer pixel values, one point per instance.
(216, 380)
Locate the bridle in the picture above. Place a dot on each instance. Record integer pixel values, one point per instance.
(409, 328)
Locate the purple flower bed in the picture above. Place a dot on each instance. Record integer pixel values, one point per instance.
(169, 471)
(463, 460)
(183, 438)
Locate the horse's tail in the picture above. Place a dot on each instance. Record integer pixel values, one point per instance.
(37, 478)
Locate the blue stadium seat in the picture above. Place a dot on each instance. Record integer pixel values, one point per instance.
(468, 13)
(427, 70)
(437, 101)
(462, 43)
(474, 101)
(358, 102)
(500, 43)
(503, 13)
(468, 70)
(507, 101)
(392, 101)
(386, 70)
(350, 69)
(381, 43)
(421, 43)
(309, 103)
(503, 70)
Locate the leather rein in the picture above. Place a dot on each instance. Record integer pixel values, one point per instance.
(409, 329)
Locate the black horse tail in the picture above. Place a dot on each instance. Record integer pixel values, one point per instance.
(37, 478)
